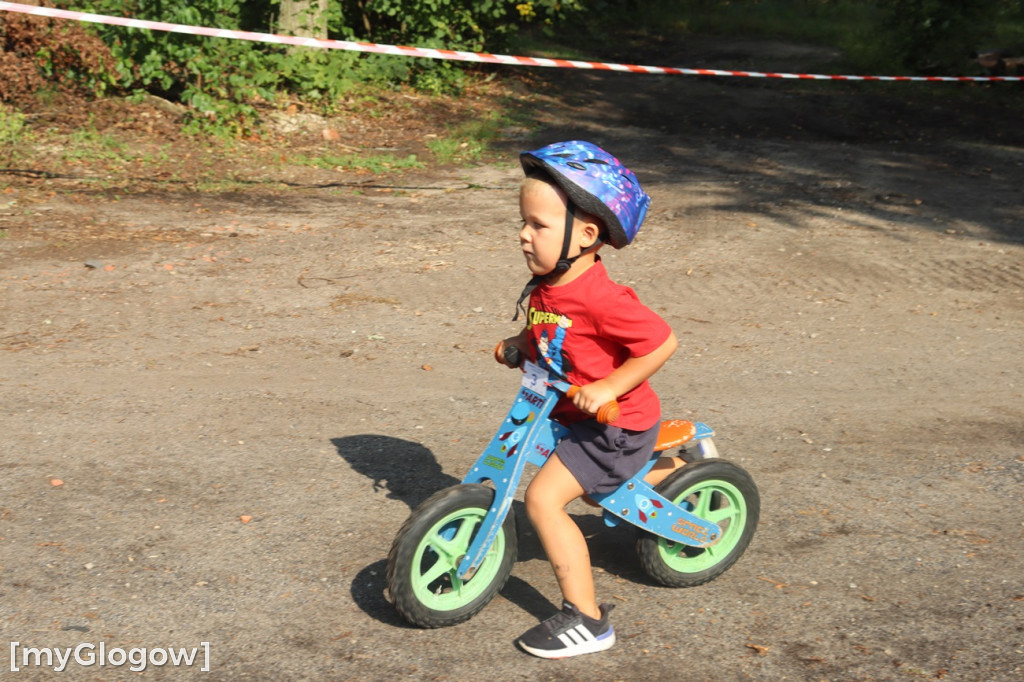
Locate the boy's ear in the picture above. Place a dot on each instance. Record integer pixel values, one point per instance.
(589, 234)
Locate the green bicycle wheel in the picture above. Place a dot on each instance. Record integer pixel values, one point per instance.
(425, 556)
(715, 490)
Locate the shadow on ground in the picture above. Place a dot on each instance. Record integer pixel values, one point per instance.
(406, 471)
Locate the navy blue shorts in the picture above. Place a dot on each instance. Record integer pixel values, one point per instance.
(602, 456)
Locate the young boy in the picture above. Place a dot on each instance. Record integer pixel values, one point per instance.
(597, 334)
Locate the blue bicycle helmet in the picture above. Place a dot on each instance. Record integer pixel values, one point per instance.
(595, 181)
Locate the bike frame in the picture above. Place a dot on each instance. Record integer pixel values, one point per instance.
(529, 436)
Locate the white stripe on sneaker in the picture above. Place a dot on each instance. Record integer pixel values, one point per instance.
(576, 636)
(584, 633)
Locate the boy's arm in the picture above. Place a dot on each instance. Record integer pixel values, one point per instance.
(625, 378)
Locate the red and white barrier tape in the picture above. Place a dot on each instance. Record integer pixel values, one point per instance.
(455, 55)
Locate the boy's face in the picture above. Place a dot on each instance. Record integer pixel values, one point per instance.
(542, 207)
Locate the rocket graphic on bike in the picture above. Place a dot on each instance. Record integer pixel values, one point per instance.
(646, 507)
(518, 420)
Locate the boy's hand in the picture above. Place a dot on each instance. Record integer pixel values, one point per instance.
(624, 379)
(592, 397)
(509, 352)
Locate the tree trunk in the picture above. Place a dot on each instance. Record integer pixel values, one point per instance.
(307, 18)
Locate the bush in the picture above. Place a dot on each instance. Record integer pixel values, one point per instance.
(935, 35)
(13, 135)
(222, 79)
(40, 56)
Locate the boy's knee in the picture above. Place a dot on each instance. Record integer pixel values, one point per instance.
(532, 501)
(538, 503)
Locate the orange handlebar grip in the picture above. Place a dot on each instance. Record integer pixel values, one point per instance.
(606, 414)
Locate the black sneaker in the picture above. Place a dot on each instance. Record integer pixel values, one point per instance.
(569, 633)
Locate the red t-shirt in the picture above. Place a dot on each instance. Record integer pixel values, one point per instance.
(589, 327)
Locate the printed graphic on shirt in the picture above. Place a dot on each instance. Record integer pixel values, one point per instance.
(551, 342)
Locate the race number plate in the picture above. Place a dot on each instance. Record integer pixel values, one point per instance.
(535, 378)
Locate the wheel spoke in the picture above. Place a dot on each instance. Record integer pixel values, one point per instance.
(443, 549)
(439, 568)
(703, 506)
(465, 534)
(457, 546)
(719, 515)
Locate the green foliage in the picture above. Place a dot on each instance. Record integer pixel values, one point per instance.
(13, 134)
(914, 35)
(377, 164)
(51, 58)
(218, 79)
(221, 80)
(86, 143)
(933, 35)
(466, 25)
(812, 21)
(848, 25)
(469, 141)
(451, 24)
(74, 64)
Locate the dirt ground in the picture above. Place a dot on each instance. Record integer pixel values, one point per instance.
(219, 406)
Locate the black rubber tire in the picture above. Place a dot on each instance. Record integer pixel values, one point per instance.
(730, 495)
(425, 556)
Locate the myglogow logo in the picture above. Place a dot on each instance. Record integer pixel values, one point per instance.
(88, 655)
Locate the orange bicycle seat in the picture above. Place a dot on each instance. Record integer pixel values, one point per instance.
(673, 433)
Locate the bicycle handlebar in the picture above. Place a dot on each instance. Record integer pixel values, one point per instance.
(606, 414)
(511, 356)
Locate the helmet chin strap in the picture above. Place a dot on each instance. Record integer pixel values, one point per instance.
(564, 262)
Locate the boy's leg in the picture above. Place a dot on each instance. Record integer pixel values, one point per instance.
(662, 468)
(549, 492)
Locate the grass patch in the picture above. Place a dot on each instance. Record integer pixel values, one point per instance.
(469, 141)
(814, 22)
(86, 143)
(348, 300)
(13, 134)
(376, 163)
